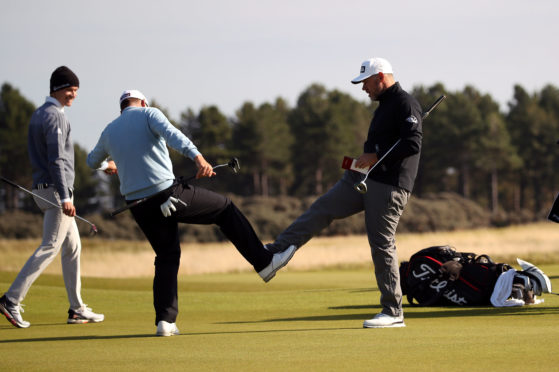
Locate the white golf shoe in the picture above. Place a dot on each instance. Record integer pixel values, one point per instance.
(84, 315)
(12, 312)
(384, 321)
(278, 261)
(167, 329)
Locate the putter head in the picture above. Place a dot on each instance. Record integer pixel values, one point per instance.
(361, 187)
(93, 230)
(234, 165)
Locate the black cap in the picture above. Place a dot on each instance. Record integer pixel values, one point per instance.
(62, 78)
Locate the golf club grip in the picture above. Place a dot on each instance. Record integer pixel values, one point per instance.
(94, 228)
(10, 183)
(127, 206)
(432, 107)
(30, 192)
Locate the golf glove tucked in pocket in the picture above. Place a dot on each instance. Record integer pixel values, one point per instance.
(168, 207)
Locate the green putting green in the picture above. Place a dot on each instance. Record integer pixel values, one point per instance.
(300, 321)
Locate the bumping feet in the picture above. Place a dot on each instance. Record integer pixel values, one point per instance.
(279, 260)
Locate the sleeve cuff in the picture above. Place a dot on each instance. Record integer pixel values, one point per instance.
(193, 153)
(104, 165)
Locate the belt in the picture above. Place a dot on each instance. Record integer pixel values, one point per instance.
(41, 186)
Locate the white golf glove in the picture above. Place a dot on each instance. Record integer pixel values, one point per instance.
(168, 207)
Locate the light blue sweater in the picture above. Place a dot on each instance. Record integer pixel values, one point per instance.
(137, 142)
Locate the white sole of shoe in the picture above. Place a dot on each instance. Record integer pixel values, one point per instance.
(77, 321)
(393, 325)
(11, 319)
(84, 321)
(166, 334)
(175, 332)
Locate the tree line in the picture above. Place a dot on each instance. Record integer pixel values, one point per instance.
(504, 161)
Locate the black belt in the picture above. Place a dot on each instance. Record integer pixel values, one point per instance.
(41, 186)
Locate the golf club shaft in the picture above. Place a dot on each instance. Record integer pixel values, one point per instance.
(214, 168)
(435, 104)
(423, 116)
(93, 227)
(140, 201)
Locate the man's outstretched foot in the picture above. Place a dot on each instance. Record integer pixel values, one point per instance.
(279, 260)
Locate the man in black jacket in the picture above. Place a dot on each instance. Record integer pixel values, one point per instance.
(398, 117)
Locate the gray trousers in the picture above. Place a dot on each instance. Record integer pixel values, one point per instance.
(383, 205)
(59, 232)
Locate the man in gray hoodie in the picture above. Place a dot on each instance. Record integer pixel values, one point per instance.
(52, 159)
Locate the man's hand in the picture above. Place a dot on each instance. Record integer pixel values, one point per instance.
(366, 160)
(204, 168)
(111, 168)
(69, 209)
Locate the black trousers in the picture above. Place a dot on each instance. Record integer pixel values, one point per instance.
(203, 207)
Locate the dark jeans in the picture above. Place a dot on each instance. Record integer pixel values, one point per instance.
(203, 207)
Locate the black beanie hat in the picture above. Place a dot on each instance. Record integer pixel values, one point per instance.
(62, 78)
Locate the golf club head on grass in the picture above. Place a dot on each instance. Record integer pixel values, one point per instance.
(361, 187)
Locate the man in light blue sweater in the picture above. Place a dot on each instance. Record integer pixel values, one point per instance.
(52, 159)
(136, 143)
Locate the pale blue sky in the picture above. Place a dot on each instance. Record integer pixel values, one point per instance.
(196, 53)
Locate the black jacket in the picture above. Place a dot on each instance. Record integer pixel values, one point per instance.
(398, 116)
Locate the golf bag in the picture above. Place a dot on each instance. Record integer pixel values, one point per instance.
(440, 275)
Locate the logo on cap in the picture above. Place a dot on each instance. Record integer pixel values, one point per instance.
(362, 69)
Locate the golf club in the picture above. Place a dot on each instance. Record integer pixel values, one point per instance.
(93, 227)
(233, 164)
(361, 187)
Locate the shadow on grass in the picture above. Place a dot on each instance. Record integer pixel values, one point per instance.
(423, 313)
(76, 338)
(89, 338)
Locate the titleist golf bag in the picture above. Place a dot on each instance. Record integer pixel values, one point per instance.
(440, 275)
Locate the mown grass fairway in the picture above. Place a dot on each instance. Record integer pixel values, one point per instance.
(300, 321)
